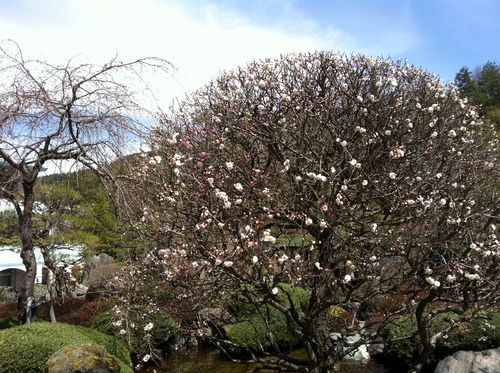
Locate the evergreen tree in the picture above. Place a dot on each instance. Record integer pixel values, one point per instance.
(483, 89)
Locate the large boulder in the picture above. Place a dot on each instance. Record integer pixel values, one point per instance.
(84, 358)
(216, 321)
(101, 283)
(487, 361)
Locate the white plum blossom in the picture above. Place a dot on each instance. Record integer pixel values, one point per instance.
(275, 290)
(155, 160)
(392, 175)
(347, 279)
(221, 195)
(148, 327)
(433, 282)
(286, 164)
(308, 221)
(255, 259)
(267, 237)
(397, 153)
(228, 264)
(315, 176)
(229, 165)
(472, 276)
(146, 358)
(283, 258)
(451, 278)
(238, 187)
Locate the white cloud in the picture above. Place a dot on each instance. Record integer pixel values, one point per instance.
(199, 40)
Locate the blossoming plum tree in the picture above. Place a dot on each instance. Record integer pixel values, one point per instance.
(366, 182)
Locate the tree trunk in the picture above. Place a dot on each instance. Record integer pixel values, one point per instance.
(27, 254)
(428, 343)
(324, 347)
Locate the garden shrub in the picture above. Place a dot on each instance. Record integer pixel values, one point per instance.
(241, 307)
(74, 311)
(26, 348)
(401, 339)
(8, 322)
(133, 322)
(251, 332)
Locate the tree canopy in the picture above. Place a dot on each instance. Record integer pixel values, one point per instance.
(366, 182)
(482, 87)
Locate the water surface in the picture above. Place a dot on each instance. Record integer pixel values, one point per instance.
(209, 361)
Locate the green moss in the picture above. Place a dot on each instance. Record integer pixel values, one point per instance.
(26, 348)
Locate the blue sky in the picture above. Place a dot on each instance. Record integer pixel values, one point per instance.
(203, 37)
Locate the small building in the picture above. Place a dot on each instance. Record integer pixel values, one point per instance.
(12, 269)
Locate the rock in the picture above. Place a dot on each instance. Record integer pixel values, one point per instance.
(85, 358)
(216, 321)
(80, 291)
(361, 353)
(101, 284)
(487, 361)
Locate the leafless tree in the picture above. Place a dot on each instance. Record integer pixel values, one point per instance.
(51, 113)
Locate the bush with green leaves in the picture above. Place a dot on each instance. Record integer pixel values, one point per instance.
(26, 348)
(259, 323)
(142, 331)
(8, 322)
(478, 334)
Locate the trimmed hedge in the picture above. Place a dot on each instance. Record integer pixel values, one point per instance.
(26, 348)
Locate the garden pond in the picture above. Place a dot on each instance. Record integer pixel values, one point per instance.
(209, 361)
